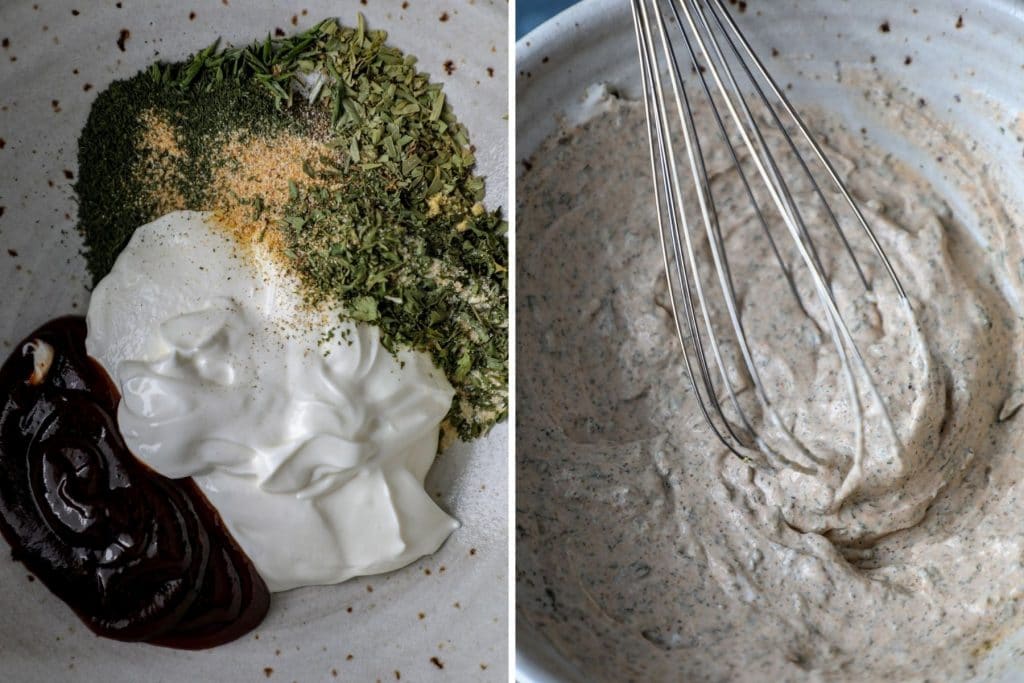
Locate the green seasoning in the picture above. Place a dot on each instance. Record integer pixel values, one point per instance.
(377, 210)
(114, 197)
(432, 280)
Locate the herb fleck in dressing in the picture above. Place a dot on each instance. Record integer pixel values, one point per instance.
(647, 551)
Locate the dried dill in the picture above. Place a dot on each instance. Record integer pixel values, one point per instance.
(386, 221)
(112, 199)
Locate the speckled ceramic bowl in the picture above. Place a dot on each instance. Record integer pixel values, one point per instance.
(442, 618)
(965, 60)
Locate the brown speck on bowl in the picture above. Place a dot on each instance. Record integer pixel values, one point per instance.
(295, 20)
(87, 87)
(278, 31)
(449, 67)
(349, 657)
(268, 671)
(884, 27)
(437, 662)
(191, 16)
(422, 615)
(443, 17)
(960, 21)
(122, 38)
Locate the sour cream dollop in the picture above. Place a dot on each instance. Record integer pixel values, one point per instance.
(310, 438)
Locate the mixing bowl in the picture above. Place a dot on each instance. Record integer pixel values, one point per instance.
(962, 61)
(443, 617)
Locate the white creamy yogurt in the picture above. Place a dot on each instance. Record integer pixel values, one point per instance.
(312, 448)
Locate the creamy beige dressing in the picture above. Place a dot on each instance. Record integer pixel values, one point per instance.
(647, 551)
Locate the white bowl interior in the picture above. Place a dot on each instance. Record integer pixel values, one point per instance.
(969, 76)
(458, 613)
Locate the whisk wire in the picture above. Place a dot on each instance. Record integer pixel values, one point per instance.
(698, 172)
(699, 175)
(661, 168)
(679, 251)
(787, 207)
(833, 220)
(729, 298)
(749, 445)
(805, 132)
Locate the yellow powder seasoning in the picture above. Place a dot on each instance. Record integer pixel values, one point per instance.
(161, 169)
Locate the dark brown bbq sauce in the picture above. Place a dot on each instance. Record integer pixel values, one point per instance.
(136, 555)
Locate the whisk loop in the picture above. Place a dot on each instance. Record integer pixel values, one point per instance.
(729, 76)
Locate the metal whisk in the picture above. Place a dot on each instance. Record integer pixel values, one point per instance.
(723, 70)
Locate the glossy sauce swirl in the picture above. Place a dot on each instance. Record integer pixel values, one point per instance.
(138, 556)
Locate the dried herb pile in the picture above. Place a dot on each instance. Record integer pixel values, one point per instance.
(384, 219)
(113, 195)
